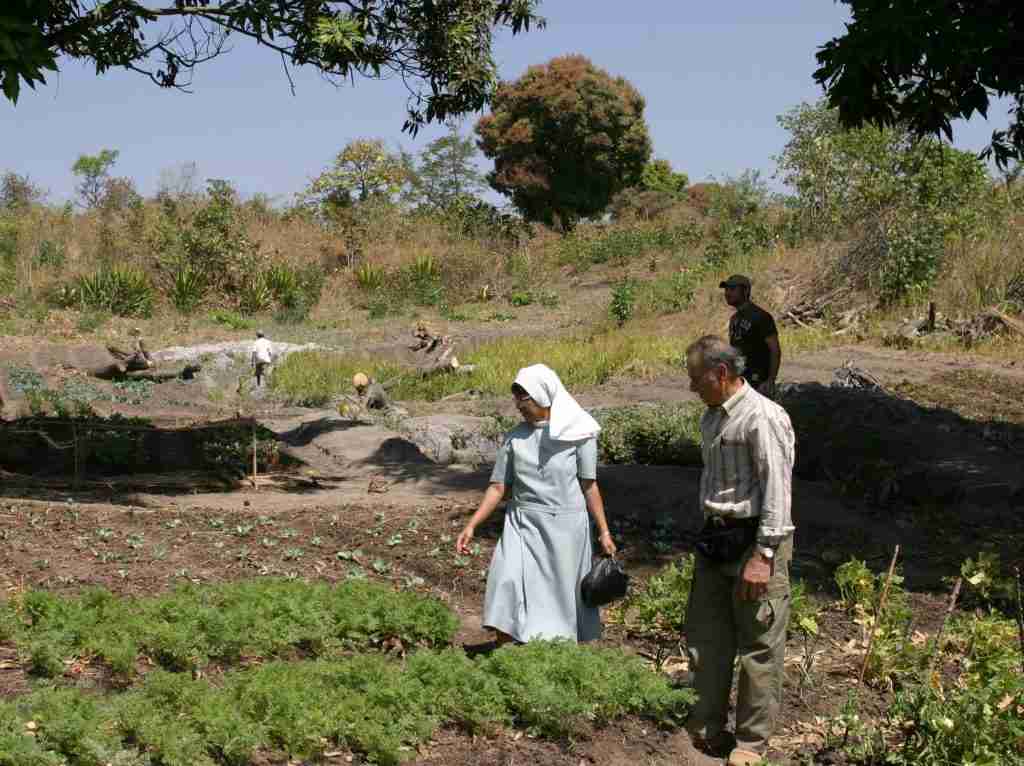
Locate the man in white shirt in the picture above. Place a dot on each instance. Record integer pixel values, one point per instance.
(262, 356)
(739, 604)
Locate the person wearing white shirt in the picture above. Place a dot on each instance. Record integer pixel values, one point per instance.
(262, 357)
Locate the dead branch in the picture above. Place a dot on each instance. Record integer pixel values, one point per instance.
(878, 615)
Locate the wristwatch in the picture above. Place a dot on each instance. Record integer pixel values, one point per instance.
(768, 553)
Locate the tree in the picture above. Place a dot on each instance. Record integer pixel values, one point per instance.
(565, 137)
(446, 172)
(362, 171)
(924, 63)
(18, 192)
(896, 196)
(94, 170)
(658, 176)
(441, 48)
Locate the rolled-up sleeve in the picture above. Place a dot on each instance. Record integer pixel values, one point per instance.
(771, 443)
(586, 459)
(502, 473)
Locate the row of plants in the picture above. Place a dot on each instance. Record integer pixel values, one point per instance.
(191, 626)
(129, 291)
(367, 703)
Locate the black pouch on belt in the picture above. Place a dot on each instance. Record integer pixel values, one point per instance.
(726, 540)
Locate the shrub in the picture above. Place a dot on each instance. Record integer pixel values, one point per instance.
(623, 301)
(121, 290)
(659, 435)
(660, 605)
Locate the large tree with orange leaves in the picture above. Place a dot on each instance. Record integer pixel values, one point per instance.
(565, 138)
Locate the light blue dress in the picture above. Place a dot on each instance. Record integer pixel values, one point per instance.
(545, 551)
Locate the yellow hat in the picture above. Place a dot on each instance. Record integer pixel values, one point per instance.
(359, 380)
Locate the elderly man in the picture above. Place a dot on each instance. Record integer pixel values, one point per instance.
(752, 330)
(739, 605)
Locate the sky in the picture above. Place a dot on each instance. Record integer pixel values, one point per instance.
(715, 77)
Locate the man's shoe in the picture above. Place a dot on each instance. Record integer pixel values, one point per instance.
(741, 757)
(718, 745)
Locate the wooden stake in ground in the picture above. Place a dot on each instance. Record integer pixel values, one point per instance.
(254, 483)
(1020, 617)
(878, 615)
(74, 440)
(945, 619)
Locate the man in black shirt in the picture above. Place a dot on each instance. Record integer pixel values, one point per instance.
(752, 330)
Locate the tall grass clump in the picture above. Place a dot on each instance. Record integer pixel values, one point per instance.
(122, 290)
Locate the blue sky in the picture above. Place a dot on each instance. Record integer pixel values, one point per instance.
(715, 76)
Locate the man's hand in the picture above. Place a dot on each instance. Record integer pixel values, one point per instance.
(757, 572)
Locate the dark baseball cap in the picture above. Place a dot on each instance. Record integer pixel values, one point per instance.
(736, 280)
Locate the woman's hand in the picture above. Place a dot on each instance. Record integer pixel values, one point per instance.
(607, 544)
(464, 539)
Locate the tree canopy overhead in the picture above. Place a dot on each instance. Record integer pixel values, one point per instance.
(441, 49)
(565, 138)
(924, 63)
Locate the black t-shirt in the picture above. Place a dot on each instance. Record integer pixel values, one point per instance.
(748, 328)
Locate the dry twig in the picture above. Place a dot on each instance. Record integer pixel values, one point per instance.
(878, 615)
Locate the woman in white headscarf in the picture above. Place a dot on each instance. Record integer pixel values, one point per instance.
(549, 464)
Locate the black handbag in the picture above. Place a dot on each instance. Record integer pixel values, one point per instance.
(723, 543)
(604, 583)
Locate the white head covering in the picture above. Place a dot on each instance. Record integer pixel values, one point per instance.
(569, 422)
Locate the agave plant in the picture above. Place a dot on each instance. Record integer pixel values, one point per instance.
(188, 289)
(122, 290)
(370, 277)
(255, 295)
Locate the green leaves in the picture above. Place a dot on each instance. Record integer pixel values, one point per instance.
(442, 51)
(924, 63)
(565, 138)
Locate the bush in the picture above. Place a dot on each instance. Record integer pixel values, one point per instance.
(660, 605)
(121, 290)
(623, 301)
(659, 435)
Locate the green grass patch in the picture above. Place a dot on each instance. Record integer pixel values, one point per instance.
(191, 626)
(313, 378)
(373, 705)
